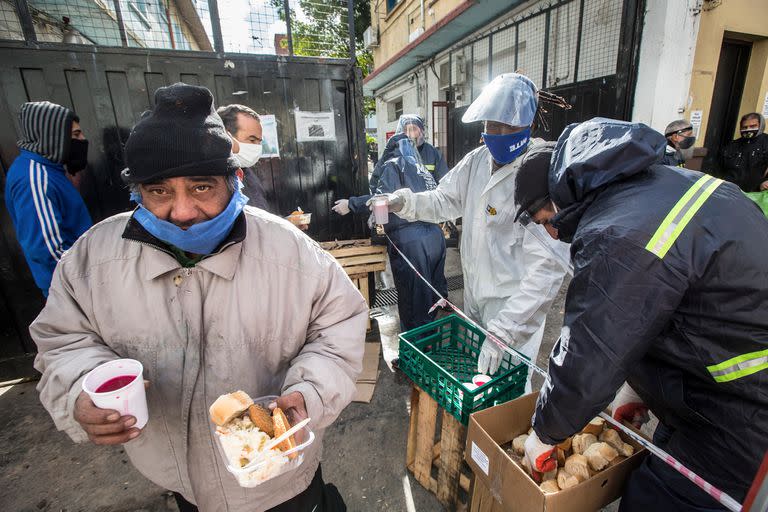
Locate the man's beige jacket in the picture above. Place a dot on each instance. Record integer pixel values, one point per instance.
(271, 314)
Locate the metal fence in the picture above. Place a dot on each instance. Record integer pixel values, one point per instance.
(312, 28)
(557, 43)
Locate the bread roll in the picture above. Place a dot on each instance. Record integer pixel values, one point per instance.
(281, 426)
(578, 466)
(611, 437)
(626, 450)
(549, 486)
(262, 419)
(518, 444)
(229, 406)
(600, 455)
(594, 427)
(581, 442)
(565, 480)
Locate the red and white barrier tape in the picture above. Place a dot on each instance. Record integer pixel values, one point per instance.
(717, 494)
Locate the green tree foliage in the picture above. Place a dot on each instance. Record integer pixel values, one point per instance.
(322, 31)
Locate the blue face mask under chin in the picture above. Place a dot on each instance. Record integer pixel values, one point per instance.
(505, 148)
(201, 238)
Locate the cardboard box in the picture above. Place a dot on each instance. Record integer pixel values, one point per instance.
(511, 486)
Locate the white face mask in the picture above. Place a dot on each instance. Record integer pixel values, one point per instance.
(248, 155)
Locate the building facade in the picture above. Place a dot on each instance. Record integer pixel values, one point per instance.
(651, 61)
(434, 58)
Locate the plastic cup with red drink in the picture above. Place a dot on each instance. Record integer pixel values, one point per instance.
(119, 385)
(381, 209)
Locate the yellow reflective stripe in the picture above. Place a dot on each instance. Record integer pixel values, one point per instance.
(681, 214)
(739, 366)
(430, 167)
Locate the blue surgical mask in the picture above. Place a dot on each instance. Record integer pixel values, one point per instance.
(201, 238)
(505, 148)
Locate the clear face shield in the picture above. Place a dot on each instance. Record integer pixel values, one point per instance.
(413, 127)
(557, 250)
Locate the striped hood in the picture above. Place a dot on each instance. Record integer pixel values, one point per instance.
(46, 129)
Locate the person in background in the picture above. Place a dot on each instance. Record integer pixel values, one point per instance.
(421, 242)
(669, 295)
(745, 160)
(411, 126)
(244, 126)
(510, 280)
(680, 140)
(211, 296)
(46, 209)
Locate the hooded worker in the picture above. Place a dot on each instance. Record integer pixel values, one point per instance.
(412, 127)
(510, 280)
(421, 242)
(46, 209)
(669, 294)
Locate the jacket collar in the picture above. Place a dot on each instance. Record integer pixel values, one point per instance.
(222, 261)
(501, 173)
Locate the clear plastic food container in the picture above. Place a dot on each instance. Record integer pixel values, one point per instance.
(300, 219)
(266, 466)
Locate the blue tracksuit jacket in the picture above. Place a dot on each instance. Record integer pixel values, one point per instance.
(47, 211)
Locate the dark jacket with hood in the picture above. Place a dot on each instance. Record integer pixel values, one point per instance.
(47, 211)
(669, 293)
(431, 158)
(744, 161)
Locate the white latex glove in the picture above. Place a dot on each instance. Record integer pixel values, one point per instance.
(490, 358)
(542, 457)
(396, 203)
(341, 206)
(628, 406)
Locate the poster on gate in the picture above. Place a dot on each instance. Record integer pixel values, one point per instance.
(270, 147)
(314, 126)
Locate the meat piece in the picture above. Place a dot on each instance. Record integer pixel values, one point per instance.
(262, 418)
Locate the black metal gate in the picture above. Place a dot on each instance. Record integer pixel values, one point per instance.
(110, 87)
(595, 70)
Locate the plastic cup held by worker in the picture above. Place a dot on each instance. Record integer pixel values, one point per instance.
(381, 209)
(119, 385)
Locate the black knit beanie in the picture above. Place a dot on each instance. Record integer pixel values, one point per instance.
(181, 136)
(531, 185)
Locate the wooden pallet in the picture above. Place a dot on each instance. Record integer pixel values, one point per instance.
(358, 258)
(447, 454)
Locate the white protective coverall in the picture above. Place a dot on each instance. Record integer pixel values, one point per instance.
(510, 280)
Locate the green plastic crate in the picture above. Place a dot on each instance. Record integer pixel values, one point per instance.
(440, 356)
